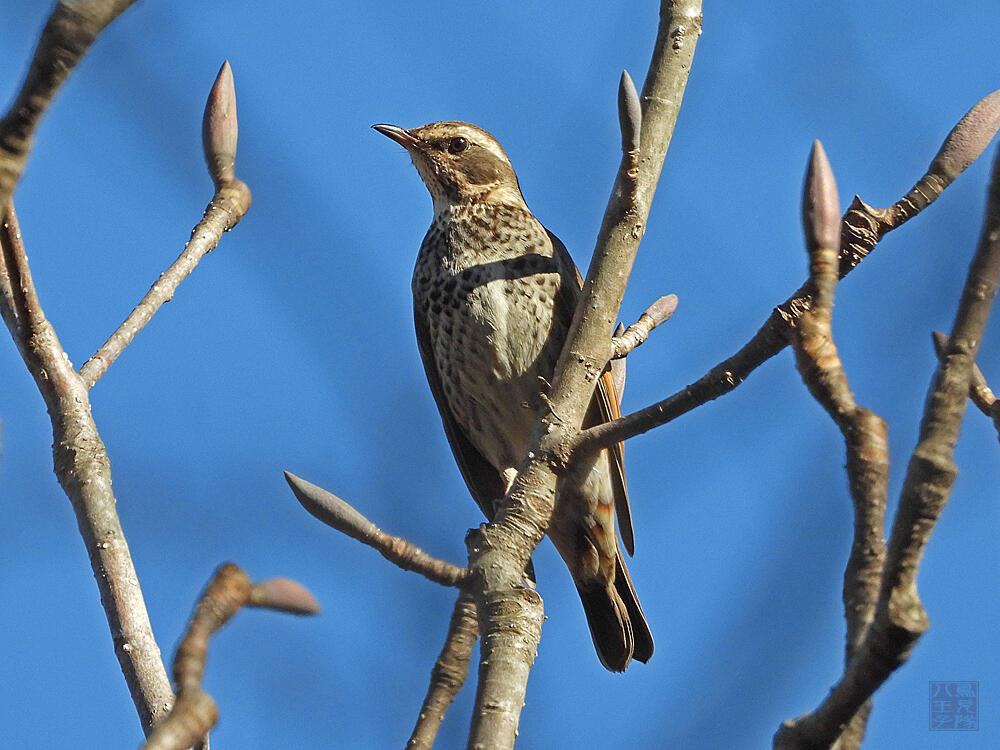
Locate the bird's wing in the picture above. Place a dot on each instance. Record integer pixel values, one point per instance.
(485, 483)
(609, 405)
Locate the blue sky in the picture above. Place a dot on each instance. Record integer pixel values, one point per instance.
(291, 347)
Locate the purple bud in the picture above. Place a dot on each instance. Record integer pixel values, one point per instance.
(820, 205)
(969, 138)
(219, 130)
(284, 595)
(629, 113)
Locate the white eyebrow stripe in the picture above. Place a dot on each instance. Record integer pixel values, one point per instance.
(490, 144)
(471, 133)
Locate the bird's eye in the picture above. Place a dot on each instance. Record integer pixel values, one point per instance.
(458, 145)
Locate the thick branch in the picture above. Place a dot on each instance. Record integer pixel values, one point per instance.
(864, 433)
(900, 618)
(341, 516)
(68, 34)
(81, 461)
(448, 674)
(511, 624)
(625, 219)
(84, 471)
(229, 590)
(931, 471)
(979, 390)
(588, 346)
(862, 227)
(510, 615)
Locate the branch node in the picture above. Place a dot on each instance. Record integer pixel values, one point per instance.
(979, 391)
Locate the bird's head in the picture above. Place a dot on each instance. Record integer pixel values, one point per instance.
(459, 163)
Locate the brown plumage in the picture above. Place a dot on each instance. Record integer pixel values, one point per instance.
(493, 297)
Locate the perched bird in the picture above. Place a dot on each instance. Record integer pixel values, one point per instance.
(493, 297)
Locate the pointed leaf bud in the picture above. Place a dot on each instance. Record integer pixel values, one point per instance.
(629, 113)
(661, 310)
(820, 205)
(968, 139)
(284, 595)
(219, 127)
(330, 509)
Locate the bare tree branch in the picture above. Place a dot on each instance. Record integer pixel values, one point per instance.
(511, 628)
(865, 434)
(636, 334)
(84, 471)
(80, 458)
(339, 515)
(510, 615)
(229, 590)
(9, 302)
(223, 212)
(979, 391)
(862, 227)
(448, 674)
(230, 202)
(13, 262)
(900, 618)
(68, 34)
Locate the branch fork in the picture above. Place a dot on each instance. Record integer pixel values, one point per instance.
(230, 589)
(883, 601)
(879, 598)
(510, 614)
(80, 459)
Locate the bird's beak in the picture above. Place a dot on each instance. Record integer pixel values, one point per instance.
(399, 135)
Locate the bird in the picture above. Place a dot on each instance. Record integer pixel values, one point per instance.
(493, 298)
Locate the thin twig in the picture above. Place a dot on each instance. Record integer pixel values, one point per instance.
(448, 674)
(636, 334)
(11, 295)
(862, 227)
(864, 433)
(83, 468)
(341, 516)
(229, 204)
(71, 29)
(195, 713)
(900, 618)
(225, 210)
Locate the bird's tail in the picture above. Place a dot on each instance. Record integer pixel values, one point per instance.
(616, 621)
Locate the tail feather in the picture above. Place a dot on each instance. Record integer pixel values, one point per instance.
(609, 625)
(642, 638)
(616, 621)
